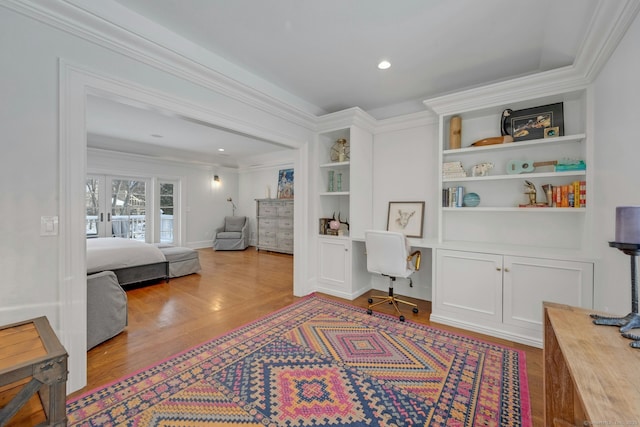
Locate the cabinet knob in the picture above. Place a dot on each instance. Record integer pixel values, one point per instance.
(506, 270)
(498, 269)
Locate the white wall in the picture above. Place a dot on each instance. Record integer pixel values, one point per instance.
(405, 168)
(35, 278)
(617, 152)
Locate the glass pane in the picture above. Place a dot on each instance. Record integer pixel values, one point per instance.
(166, 213)
(128, 209)
(166, 189)
(166, 201)
(92, 207)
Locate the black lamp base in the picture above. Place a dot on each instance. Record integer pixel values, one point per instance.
(631, 320)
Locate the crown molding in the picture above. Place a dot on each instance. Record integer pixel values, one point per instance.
(94, 29)
(609, 24)
(510, 91)
(354, 116)
(607, 28)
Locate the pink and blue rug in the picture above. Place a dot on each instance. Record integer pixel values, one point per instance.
(319, 362)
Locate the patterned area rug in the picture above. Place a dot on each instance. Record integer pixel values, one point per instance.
(319, 362)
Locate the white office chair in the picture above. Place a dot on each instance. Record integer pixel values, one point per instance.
(388, 254)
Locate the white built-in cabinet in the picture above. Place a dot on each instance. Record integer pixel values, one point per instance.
(502, 295)
(495, 263)
(341, 268)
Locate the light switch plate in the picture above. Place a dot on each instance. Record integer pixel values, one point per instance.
(48, 225)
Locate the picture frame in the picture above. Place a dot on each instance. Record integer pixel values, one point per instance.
(406, 218)
(285, 184)
(531, 123)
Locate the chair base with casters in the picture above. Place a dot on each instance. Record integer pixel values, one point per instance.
(389, 255)
(391, 299)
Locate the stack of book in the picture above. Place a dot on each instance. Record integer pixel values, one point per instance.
(452, 197)
(572, 195)
(453, 170)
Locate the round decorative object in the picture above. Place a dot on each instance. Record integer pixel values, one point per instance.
(340, 151)
(471, 200)
(334, 225)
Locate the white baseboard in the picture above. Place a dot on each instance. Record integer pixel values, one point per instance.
(493, 332)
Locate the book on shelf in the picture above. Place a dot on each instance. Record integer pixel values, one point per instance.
(452, 197)
(573, 195)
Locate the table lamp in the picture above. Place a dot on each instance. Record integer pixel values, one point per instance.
(627, 241)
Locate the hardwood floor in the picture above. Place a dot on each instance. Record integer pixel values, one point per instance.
(233, 289)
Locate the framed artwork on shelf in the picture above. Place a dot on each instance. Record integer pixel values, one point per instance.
(406, 218)
(285, 184)
(531, 123)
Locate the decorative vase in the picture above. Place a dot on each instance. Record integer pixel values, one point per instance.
(455, 132)
(339, 182)
(330, 186)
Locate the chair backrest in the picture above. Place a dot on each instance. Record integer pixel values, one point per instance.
(234, 223)
(387, 253)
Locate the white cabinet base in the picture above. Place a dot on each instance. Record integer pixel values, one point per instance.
(342, 268)
(502, 295)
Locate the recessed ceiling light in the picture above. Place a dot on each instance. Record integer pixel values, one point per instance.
(220, 149)
(383, 65)
(155, 135)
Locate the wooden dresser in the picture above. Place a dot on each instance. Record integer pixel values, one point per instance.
(591, 374)
(275, 225)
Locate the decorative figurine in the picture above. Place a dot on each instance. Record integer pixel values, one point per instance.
(340, 151)
(531, 191)
(504, 124)
(481, 169)
(548, 193)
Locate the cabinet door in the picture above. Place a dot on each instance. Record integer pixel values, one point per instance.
(335, 264)
(530, 281)
(470, 284)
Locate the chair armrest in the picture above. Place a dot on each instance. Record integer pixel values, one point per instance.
(418, 256)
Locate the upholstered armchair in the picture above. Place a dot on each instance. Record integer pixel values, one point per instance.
(233, 235)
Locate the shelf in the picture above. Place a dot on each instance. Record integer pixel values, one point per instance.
(335, 193)
(517, 144)
(335, 165)
(515, 209)
(516, 176)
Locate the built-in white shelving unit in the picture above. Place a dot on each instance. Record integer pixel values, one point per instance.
(341, 259)
(495, 263)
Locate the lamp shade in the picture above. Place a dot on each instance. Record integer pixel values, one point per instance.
(628, 224)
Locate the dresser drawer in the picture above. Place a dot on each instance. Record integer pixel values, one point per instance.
(285, 210)
(285, 223)
(286, 245)
(268, 223)
(269, 209)
(285, 234)
(267, 239)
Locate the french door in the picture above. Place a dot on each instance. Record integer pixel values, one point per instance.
(118, 207)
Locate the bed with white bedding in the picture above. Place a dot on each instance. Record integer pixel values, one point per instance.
(132, 261)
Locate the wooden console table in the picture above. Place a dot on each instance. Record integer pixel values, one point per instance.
(591, 374)
(33, 368)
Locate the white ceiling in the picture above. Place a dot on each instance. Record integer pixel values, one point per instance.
(324, 53)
